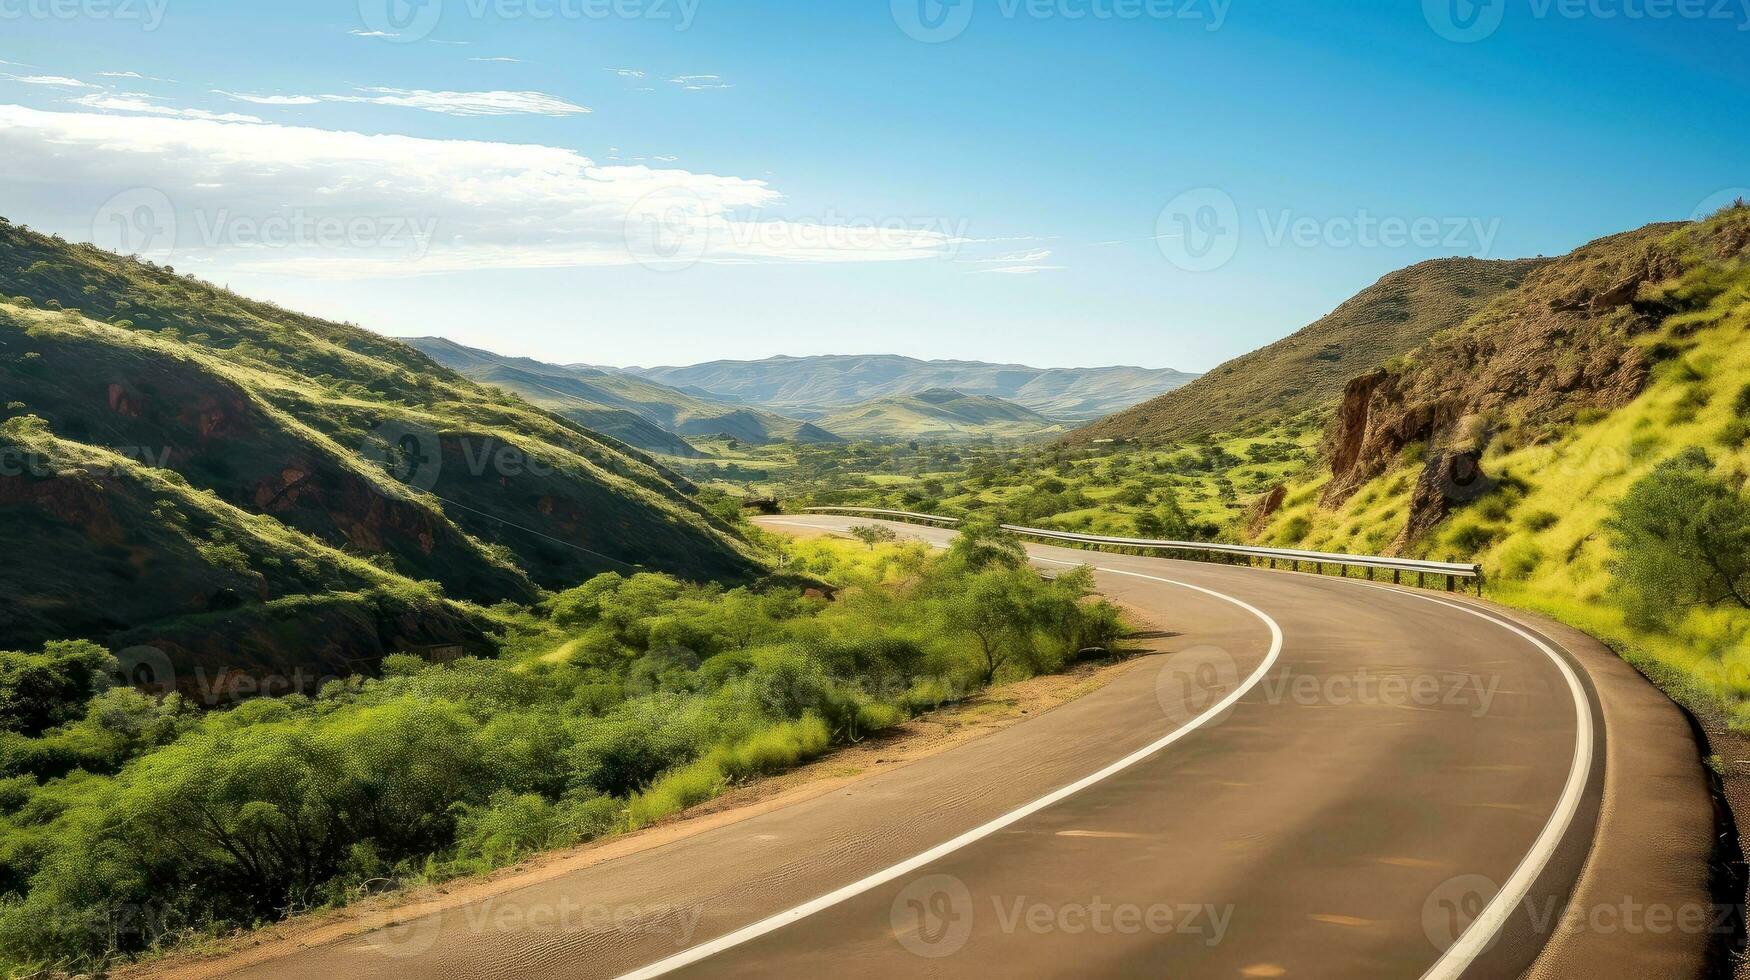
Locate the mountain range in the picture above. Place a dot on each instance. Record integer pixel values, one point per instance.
(939, 414)
(814, 387)
(643, 413)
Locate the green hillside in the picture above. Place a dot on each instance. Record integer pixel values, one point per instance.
(641, 413)
(812, 387)
(1309, 368)
(938, 414)
(305, 460)
(1611, 389)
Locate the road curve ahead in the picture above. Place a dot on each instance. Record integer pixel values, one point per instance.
(1319, 778)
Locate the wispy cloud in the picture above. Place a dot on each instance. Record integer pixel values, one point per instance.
(502, 60)
(136, 102)
(493, 205)
(269, 99)
(448, 103)
(355, 32)
(57, 81)
(466, 103)
(700, 83)
(626, 72)
(136, 76)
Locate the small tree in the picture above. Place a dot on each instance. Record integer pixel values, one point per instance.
(1682, 539)
(874, 534)
(983, 544)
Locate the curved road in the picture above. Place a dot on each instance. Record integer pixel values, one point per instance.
(1319, 778)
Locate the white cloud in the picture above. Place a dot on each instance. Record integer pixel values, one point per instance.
(133, 75)
(626, 72)
(507, 61)
(135, 102)
(58, 81)
(466, 103)
(269, 99)
(699, 83)
(485, 204)
(449, 103)
(355, 32)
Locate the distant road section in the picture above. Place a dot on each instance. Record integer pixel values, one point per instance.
(1318, 778)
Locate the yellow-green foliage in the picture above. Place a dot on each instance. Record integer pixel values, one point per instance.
(1540, 536)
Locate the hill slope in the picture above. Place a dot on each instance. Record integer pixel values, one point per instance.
(1311, 366)
(320, 459)
(635, 410)
(1515, 438)
(941, 414)
(811, 387)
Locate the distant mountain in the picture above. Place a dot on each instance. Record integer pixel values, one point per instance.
(637, 411)
(813, 387)
(1310, 368)
(938, 414)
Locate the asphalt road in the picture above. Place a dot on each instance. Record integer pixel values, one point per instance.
(1318, 778)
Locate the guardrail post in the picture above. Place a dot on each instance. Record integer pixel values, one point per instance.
(1449, 581)
(1397, 576)
(1421, 580)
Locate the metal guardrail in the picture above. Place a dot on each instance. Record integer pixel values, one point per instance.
(1451, 571)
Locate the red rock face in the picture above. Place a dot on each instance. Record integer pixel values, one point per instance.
(124, 402)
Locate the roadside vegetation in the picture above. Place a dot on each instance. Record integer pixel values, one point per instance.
(1200, 489)
(130, 823)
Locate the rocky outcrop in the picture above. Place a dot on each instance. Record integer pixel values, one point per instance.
(1562, 343)
(1264, 508)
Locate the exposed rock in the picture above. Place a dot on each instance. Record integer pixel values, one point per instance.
(1265, 507)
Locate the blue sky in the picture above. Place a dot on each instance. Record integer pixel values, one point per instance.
(1156, 182)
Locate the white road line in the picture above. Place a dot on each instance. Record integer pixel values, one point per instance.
(782, 919)
(1482, 930)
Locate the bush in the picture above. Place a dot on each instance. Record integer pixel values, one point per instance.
(1682, 539)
